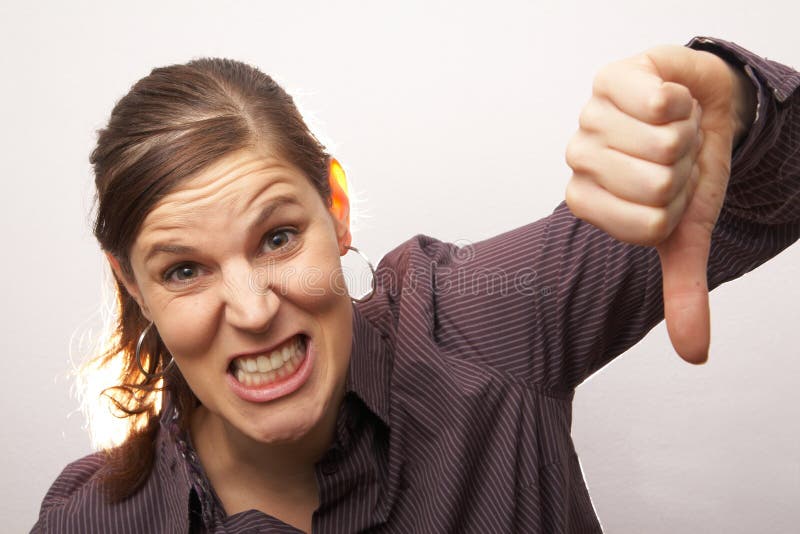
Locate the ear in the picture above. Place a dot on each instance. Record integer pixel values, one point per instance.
(340, 205)
(130, 284)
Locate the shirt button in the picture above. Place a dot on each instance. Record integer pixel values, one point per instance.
(330, 468)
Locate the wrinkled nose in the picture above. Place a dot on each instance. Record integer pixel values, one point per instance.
(250, 303)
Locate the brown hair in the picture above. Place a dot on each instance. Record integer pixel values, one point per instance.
(171, 125)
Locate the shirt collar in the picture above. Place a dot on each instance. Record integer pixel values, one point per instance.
(171, 469)
(370, 369)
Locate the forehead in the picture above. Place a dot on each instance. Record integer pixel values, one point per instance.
(235, 185)
(233, 180)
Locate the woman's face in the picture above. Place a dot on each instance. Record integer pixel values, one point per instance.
(239, 269)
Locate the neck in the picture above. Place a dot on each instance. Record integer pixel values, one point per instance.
(232, 458)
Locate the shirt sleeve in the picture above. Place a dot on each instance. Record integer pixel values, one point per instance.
(554, 301)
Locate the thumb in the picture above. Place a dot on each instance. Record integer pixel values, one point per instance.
(684, 254)
(684, 262)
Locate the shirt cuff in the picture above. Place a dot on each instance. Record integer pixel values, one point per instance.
(763, 183)
(771, 79)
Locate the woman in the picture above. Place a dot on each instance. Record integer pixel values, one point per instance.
(441, 403)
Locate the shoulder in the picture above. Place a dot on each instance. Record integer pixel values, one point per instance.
(403, 280)
(418, 248)
(76, 487)
(77, 501)
(74, 478)
(409, 268)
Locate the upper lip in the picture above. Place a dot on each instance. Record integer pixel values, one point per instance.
(259, 352)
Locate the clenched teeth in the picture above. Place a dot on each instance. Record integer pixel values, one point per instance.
(266, 368)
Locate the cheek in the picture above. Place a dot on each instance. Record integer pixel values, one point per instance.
(314, 281)
(187, 329)
(317, 288)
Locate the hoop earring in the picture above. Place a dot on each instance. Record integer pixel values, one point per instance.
(138, 350)
(369, 295)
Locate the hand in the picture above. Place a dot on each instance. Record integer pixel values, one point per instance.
(651, 162)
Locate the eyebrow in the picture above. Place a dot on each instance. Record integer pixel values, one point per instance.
(264, 215)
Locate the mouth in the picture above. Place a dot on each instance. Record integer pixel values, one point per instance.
(255, 370)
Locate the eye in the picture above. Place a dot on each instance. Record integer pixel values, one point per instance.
(280, 238)
(181, 273)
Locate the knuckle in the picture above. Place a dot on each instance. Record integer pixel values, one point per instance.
(658, 105)
(669, 145)
(575, 153)
(656, 226)
(573, 197)
(662, 185)
(597, 83)
(681, 92)
(587, 120)
(602, 78)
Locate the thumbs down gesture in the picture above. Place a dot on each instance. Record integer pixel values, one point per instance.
(651, 162)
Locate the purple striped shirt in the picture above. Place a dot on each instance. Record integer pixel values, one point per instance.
(459, 393)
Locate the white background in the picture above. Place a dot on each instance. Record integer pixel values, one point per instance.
(451, 119)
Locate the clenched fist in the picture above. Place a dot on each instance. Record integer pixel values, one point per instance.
(651, 162)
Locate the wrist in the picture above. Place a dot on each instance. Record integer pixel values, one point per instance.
(744, 103)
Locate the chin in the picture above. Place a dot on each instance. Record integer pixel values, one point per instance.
(291, 425)
(292, 432)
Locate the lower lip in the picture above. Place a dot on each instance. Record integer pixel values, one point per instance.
(279, 388)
